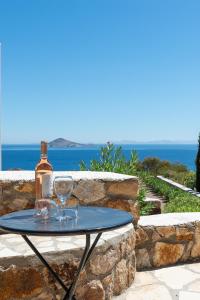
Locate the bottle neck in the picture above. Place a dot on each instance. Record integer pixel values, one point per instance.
(43, 150)
(43, 156)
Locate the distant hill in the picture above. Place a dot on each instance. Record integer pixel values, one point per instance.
(62, 143)
(156, 142)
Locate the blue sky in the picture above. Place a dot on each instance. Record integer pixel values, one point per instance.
(93, 71)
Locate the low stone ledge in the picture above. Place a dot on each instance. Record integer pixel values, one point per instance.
(167, 239)
(77, 175)
(91, 188)
(179, 186)
(110, 270)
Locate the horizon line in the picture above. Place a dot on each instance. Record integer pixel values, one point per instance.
(158, 142)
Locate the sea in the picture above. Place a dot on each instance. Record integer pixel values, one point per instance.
(25, 157)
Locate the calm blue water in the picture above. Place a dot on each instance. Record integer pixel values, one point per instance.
(26, 156)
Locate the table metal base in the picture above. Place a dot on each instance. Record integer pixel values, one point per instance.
(86, 255)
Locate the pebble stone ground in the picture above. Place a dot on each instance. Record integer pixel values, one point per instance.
(172, 283)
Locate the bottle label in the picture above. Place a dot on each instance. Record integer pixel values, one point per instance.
(47, 185)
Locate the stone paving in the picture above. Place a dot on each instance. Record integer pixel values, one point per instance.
(172, 283)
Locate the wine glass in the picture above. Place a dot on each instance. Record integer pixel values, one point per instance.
(63, 187)
(46, 207)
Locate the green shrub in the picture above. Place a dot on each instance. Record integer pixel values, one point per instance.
(113, 160)
(189, 180)
(161, 167)
(183, 203)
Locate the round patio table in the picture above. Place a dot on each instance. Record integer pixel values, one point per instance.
(91, 220)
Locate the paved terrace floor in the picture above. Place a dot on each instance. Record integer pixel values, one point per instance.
(171, 283)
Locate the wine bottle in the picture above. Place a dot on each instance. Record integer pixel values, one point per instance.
(43, 167)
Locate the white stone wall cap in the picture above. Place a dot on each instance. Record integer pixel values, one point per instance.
(77, 175)
(169, 219)
(17, 175)
(91, 175)
(175, 184)
(13, 246)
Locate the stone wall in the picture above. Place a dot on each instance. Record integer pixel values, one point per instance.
(167, 239)
(17, 190)
(110, 270)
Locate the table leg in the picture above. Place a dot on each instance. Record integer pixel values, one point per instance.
(71, 290)
(43, 260)
(86, 255)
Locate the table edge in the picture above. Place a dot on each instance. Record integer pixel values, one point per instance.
(71, 232)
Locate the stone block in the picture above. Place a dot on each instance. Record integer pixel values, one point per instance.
(127, 189)
(17, 195)
(90, 191)
(130, 243)
(102, 264)
(196, 247)
(93, 290)
(141, 236)
(25, 187)
(142, 259)
(108, 286)
(131, 266)
(184, 234)
(121, 277)
(187, 251)
(167, 254)
(127, 246)
(127, 205)
(19, 204)
(19, 283)
(166, 231)
(155, 237)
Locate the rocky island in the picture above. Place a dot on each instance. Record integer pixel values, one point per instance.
(63, 143)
